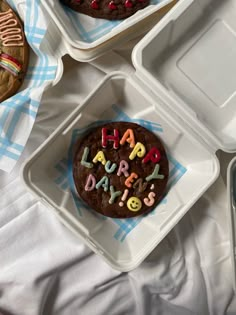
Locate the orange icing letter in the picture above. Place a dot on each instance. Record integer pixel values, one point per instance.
(128, 137)
(130, 179)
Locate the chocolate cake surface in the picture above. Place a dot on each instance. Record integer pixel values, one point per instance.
(14, 52)
(106, 9)
(120, 169)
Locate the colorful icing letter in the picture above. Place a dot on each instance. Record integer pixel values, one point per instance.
(100, 157)
(84, 158)
(140, 184)
(155, 174)
(104, 182)
(130, 179)
(150, 200)
(114, 194)
(110, 169)
(153, 155)
(139, 150)
(123, 168)
(134, 204)
(128, 137)
(106, 137)
(90, 183)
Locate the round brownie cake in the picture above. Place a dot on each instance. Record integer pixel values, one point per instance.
(13, 52)
(107, 9)
(120, 169)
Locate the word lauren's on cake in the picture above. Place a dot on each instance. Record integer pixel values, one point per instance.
(122, 168)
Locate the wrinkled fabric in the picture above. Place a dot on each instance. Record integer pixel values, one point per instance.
(45, 269)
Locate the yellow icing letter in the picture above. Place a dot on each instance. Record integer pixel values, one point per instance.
(100, 157)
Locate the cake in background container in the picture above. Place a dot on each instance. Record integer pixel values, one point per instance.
(87, 33)
(108, 10)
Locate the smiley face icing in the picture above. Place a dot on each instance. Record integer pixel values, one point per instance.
(134, 204)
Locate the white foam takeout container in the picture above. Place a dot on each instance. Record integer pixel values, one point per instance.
(184, 80)
(63, 32)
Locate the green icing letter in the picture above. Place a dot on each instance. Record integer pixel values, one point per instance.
(114, 195)
(84, 158)
(155, 174)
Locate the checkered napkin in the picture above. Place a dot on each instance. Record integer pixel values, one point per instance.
(18, 113)
(89, 29)
(64, 178)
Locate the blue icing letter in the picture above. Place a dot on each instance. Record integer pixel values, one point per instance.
(104, 182)
(110, 169)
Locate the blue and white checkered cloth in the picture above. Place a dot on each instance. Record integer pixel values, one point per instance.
(18, 113)
(64, 179)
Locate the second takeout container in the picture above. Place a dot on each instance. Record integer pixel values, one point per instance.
(184, 82)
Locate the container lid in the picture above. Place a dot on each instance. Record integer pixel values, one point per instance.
(188, 58)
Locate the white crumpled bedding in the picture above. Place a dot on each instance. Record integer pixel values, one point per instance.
(47, 270)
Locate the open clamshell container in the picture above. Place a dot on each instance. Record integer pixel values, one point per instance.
(184, 83)
(85, 38)
(231, 194)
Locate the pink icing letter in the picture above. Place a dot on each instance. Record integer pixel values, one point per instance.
(150, 200)
(123, 168)
(90, 183)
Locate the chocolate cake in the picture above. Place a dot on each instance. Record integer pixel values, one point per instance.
(107, 9)
(13, 52)
(120, 170)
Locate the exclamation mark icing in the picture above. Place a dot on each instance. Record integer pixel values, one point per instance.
(124, 197)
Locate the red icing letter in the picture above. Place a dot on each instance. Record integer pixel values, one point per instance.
(153, 155)
(106, 137)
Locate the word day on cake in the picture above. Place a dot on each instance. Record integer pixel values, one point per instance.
(14, 52)
(120, 169)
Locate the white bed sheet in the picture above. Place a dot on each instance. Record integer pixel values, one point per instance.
(47, 270)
